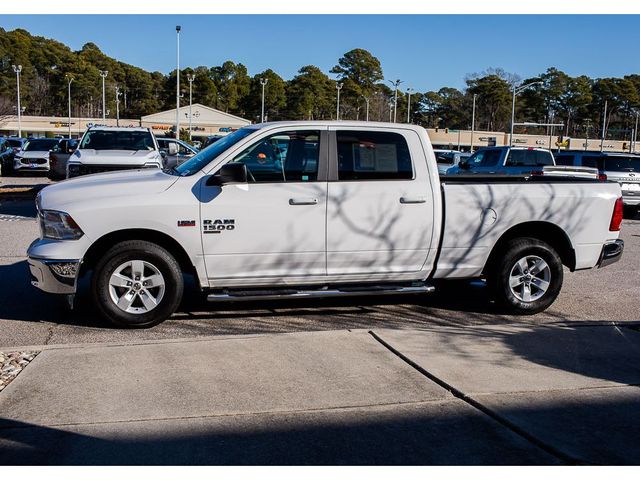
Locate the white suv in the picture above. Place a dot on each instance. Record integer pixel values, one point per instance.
(104, 149)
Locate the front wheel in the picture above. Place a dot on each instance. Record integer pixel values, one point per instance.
(137, 284)
(527, 277)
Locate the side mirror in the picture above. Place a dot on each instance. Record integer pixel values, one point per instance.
(230, 173)
(464, 164)
(172, 148)
(71, 149)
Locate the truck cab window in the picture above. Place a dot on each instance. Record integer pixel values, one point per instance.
(283, 157)
(373, 156)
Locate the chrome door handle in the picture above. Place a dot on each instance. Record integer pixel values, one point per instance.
(413, 199)
(303, 201)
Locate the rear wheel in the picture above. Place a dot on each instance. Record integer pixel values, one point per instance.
(137, 284)
(527, 277)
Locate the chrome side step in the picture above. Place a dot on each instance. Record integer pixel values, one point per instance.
(248, 295)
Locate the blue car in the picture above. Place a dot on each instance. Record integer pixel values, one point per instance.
(504, 161)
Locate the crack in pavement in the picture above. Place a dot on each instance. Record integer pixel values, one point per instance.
(559, 454)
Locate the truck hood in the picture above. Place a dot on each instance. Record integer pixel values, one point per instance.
(114, 157)
(88, 188)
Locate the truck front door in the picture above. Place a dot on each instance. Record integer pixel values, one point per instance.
(380, 211)
(272, 227)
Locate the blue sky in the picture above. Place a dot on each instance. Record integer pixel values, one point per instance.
(425, 51)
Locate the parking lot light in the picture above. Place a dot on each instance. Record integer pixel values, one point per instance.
(69, 80)
(178, 28)
(103, 74)
(190, 78)
(263, 82)
(18, 69)
(516, 91)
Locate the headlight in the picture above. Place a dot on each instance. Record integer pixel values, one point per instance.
(59, 226)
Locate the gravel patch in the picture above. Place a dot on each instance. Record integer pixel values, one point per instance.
(11, 364)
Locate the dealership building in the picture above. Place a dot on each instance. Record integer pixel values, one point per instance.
(206, 121)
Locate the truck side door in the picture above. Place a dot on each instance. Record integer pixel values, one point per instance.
(380, 205)
(272, 227)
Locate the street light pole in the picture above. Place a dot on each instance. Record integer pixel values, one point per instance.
(366, 100)
(635, 136)
(117, 106)
(604, 126)
(178, 28)
(409, 90)
(190, 78)
(69, 80)
(473, 121)
(103, 74)
(338, 87)
(516, 91)
(263, 82)
(18, 69)
(395, 98)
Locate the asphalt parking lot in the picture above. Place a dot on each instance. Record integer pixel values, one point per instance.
(29, 317)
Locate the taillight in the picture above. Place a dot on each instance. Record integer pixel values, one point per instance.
(602, 177)
(616, 218)
(537, 172)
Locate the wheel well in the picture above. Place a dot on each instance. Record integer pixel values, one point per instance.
(105, 242)
(544, 231)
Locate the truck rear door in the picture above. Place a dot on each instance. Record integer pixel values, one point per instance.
(380, 202)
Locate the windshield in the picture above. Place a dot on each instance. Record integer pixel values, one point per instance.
(204, 157)
(40, 145)
(117, 140)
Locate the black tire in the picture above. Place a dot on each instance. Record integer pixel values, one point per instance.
(504, 264)
(153, 257)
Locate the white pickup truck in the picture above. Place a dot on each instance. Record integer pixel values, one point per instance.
(306, 209)
(105, 149)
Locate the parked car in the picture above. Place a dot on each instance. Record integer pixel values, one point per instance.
(6, 157)
(211, 140)
(448, 159)
(351, 208)
(182, 151)
(16, 143)
(59, 157)
(623, 168)
(34, 155)
(105, 149)
(504, 161)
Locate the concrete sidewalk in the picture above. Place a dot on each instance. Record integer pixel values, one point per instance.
(485, 395)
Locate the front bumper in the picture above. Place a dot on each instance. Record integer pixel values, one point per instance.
(54, 276)
(611, 253)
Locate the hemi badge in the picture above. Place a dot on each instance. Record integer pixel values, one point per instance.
(186, 223)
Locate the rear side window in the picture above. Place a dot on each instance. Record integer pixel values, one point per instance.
(485, 158)
(565, 159)
(373, 156)
(445, 158)
(529, 158)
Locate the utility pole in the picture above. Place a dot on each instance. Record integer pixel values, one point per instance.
(338, 87)
(395, 98)
(190, 78)
(117, 106)
(18, 69)
(604, 126)
(178, 28)
(473, 121)
(69, 80)
(366, 100)
(409, 90)
(103, 74)
(263, 82)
